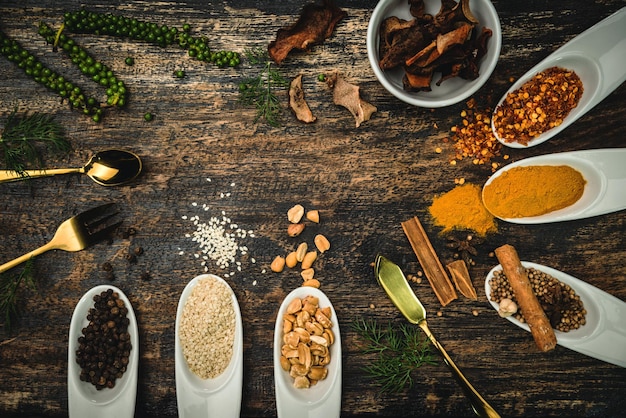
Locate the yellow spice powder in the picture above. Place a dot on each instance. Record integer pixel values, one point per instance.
(533, 190)
(462, 208)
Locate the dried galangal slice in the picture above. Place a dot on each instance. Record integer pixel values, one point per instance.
(316, 23)
(348, 96)
(297, 103)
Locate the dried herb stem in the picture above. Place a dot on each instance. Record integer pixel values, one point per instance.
(10, 284)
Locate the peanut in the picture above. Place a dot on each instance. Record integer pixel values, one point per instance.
(301, 251)
(313, 216)
(322, 243)
(278, 264)
(307, 274)
(308, 260)
(295, 214)
(293, 230)
(291, 260)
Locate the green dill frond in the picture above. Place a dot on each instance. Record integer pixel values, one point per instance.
(10, 286)
(22, 137)
(399, 350)
(260, 91)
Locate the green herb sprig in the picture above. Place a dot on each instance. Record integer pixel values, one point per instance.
(23, 136)
(10, 285)
(400, 349)
(260, 91)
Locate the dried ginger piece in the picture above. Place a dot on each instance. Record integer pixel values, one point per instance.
(297, 103)
(348, 96)
(316, 23)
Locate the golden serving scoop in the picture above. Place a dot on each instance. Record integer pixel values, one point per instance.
(391, 278)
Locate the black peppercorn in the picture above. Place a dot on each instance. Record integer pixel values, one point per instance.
(105, 343)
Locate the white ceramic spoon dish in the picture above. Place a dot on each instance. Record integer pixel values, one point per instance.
(219, 397)
(603, 336)
(598, 56)
(605, 191)
(322, 400)
(84, 400)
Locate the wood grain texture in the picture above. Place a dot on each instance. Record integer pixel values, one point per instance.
(364, 182)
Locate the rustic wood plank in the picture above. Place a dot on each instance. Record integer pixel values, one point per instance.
(364, 181)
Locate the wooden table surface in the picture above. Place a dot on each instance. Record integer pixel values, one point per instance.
(204, 156)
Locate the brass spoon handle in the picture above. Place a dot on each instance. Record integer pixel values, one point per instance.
(480, 406)
(11, 175)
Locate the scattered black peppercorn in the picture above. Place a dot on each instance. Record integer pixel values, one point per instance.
(104, 346)
(145, 276)
(107, 266)
(132, 258)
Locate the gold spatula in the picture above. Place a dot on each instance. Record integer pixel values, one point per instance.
(391, 278)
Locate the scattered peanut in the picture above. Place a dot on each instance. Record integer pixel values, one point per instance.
(312, 283)
(306, 341)
(291, 260)
(301, 251)
(322, 243)
(307, 274)
(295, 214)
(278, 264)
(293, 230)
(313, 216)
(308, 260)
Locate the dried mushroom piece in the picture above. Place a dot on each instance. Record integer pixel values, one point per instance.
(297, 103)
(448, 43)
(316, 23)
(348, 96)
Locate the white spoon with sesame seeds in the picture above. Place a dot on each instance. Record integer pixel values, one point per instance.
(323, 399)
(84, 400)
(597, 56)
(218, 397)
(604, 334)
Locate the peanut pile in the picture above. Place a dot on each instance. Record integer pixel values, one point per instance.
(307, 338)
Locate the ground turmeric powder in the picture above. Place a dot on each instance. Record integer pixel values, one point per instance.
(533, 190)
(462, 208)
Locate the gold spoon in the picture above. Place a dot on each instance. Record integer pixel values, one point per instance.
(107, 168)
(391, 278)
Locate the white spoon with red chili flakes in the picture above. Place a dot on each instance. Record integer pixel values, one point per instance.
(547, 99)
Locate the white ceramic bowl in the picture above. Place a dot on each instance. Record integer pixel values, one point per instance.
(450, 91)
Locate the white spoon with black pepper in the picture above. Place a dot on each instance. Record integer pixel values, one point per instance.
(220, 396)
(597, 56)
(84, 400)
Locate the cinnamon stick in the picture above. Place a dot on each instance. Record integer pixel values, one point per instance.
(534, 314)
(461, 278)
(435, 273)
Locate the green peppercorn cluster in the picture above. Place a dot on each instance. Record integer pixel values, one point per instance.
(89, 66)
(32, 67)
(83, 21)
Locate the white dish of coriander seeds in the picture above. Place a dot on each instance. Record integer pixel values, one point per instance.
(596, 56)
(208, 355)
(84, 399)
(603, 336)
(323, 397)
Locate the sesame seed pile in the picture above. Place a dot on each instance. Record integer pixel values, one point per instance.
(207, 328)
(218, 240)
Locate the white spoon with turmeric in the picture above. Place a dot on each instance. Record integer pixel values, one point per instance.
(602, 172)
(597, 56)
